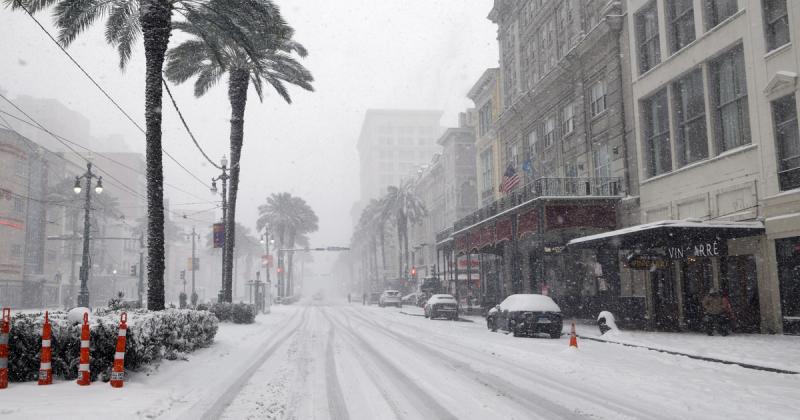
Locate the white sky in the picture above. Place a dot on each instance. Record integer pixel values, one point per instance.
(363, 54)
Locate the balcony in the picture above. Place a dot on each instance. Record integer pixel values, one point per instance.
(546, 187)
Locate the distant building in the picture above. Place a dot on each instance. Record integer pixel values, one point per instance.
(485, 94)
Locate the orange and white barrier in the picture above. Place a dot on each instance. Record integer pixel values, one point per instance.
(5, 329)
(573, 338)
(118, 371)
(83, 368)
(46, 355)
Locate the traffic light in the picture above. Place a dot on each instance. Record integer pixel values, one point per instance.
(133, 270)
(183, 274)
(279, 270)
(413, 271)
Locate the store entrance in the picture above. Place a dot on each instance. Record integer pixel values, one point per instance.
(788, 254)
(698, 278)
(739, 281)
(665, 300)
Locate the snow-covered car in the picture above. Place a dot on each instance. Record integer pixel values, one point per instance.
(413, 298)
(374, 298)
(390, 297)
(526, 314)
(441, 306)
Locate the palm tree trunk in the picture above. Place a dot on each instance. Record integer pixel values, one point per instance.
(237, 95)
(290, 268)
(156, 21)
(383, 247)
(399, 250)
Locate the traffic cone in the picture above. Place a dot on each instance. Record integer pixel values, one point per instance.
(5, 328)
(83, 368)
(118, 371)
(573, 338)
(45, 367)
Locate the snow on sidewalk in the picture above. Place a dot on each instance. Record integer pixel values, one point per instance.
(771, 351)
(166, 392)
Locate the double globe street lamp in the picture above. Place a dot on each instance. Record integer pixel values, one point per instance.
(225, 295)
(83, 295)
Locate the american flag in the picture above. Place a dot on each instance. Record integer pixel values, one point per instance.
(510, 180)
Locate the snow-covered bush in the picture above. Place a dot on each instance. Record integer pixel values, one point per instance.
(151, 336)
(238, 313)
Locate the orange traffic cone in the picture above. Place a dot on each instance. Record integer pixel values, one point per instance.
(573, 338)
(45, 367)
(83, 368)
(5, 328)
(118, 371)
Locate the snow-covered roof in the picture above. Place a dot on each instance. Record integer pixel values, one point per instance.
(681, 224)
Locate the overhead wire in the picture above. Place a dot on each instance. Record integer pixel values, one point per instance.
(105, 93)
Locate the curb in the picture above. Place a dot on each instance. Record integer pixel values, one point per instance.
(694, 356)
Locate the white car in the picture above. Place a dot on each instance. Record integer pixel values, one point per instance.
(441, 306)
(390, 297)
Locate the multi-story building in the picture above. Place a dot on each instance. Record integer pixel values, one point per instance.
(558, 127)
(713, 86)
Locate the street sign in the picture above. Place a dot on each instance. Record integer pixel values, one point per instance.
(266, 260)
(219, 235)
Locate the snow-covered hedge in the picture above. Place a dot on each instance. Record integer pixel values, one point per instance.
(152, 336)
(238, 313)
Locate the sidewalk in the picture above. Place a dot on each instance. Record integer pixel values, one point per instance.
(756, 351)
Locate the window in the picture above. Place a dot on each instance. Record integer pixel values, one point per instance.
(601, 162)
(690, 118)
(681, 23)
(549, 131)
(719, 10)
(787, 141)
(776, 23)
(16, 251)
(484, 118)
(513, 155)
(658, 156)
(486, 170)
(597, 96)
(647, 37)
(730, 98)
(568, 119)
(19, 205)
(533, 143)
(571, 169)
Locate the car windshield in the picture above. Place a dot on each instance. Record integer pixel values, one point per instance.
(400, 209)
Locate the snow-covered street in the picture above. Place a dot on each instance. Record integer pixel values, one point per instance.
(335, 361)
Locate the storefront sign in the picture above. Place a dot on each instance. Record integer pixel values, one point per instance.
(554, 249)
(646, 262)
(704, 249)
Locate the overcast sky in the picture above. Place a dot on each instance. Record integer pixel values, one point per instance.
(363, 54)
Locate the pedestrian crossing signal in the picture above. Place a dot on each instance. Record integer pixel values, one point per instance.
(183, 274)
(133, 270)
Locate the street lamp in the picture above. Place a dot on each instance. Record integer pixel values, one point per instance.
(268, 286)
(83, 295)
(225, 295)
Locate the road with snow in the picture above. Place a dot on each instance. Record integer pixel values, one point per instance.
(351, 362)
(329, 360)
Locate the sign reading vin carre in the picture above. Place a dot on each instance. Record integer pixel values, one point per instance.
(703, 249)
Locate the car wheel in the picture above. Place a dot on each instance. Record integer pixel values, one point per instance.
(454, 317)
(433, 315)
(555, 334)
(515, 331)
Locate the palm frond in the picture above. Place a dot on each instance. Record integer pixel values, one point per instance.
(208, 76)
(123, 29)
(185, 60)
(74, 16)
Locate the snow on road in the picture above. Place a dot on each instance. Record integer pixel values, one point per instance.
(328, 361)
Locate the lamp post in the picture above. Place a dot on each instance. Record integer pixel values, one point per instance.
(194, 235)
(225, 295)
(83, 295)
(268, 286)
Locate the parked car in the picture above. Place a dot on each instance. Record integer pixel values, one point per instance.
(441, 306)
(374, 298)
(390, 297)
(526, 314)
(415, 298)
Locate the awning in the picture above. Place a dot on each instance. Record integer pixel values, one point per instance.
(668, 233)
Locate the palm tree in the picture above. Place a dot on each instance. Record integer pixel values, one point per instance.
(289, 217)
(126, 20)
(208, 54)
(405, 207)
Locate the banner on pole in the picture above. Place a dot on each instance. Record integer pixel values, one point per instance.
(193, 267)
(266, 260)
(219, 235)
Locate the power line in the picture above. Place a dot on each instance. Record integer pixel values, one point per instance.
(107, 95)
(186, 126)
(120, 184)
(99, 154)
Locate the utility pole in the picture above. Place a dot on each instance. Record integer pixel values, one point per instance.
(225, 294)
(268, 285)
(141, 268)
(194, 260)
(83, 295)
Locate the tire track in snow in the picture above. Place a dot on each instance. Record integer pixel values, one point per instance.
(215, 410)
(429, 407)
(503, 386)
(336, 403)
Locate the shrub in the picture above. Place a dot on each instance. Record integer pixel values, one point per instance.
(151, 336)
(238, 313)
